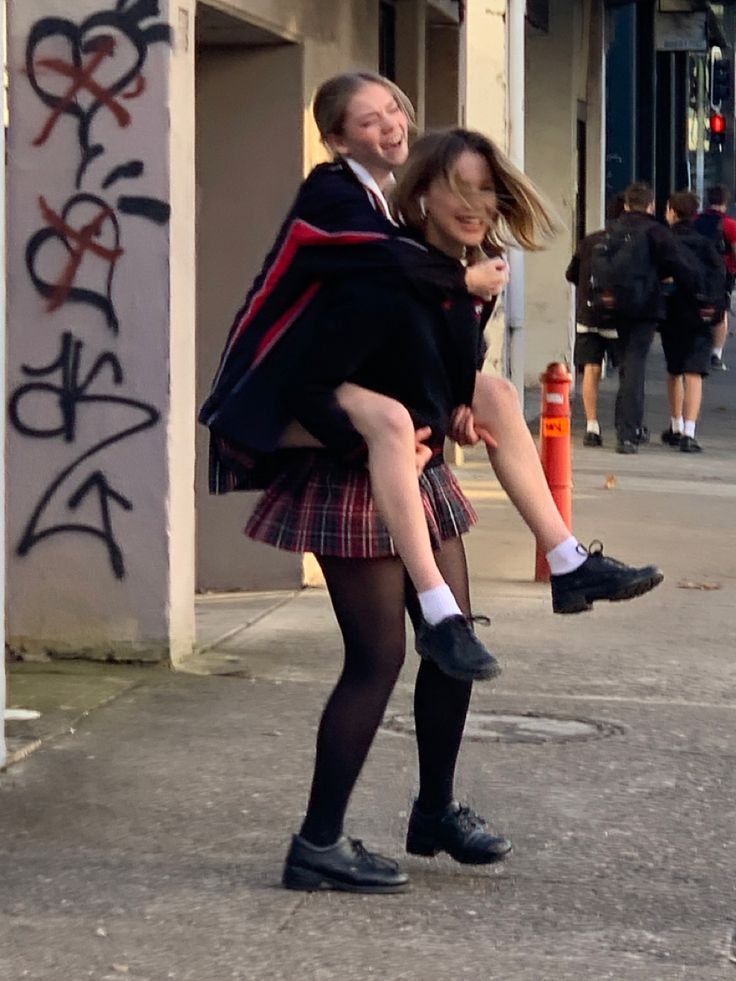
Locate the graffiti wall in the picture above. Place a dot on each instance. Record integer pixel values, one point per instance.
(88, 342)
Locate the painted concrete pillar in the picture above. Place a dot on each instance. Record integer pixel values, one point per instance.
(100, 327)
(2, 398)
(484, 106)
(483, 94)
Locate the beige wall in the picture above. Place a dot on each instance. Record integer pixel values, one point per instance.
(563, 67)
(87, 500)
(249, 164)
(256, 135)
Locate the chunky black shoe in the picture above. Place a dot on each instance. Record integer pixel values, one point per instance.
(346, 866)
(455, 649)
(457, 830)
(627, 446)
(671, 438)
(717, 364)
(600, 578)
(592, 439)
(689, 444)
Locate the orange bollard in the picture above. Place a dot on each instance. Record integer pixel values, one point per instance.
(555, 451)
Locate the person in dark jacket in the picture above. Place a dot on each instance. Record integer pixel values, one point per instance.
(720, 228)
(687, 332)
(594, 341)
(635, 336)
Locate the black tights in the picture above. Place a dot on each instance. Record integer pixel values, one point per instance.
(369, 598)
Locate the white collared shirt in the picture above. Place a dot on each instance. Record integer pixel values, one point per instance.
(370, 184)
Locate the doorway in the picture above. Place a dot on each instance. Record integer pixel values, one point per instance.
(249, 162)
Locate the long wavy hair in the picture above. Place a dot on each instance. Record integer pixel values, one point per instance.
(522, 216)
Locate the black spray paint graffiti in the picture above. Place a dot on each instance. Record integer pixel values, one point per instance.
(80, 71)
(103, 66)
(71, 392)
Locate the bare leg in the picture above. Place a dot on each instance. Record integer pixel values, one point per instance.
(693, 396)
(387, 428)
(516, 459)
(675, 395)
(591, 384)
(720, 332)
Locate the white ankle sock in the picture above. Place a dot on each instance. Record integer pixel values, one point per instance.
(689, 428)
(676, 424)
(566, 557)
(593, 426)
(718, 351)
(438, 604)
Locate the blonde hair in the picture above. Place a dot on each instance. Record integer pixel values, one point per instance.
(332, 100)
(523, 216)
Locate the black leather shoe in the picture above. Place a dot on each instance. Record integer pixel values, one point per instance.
(600, 578)
(455, 649)
(457, 830)
(689, 444)
(346, 866)
(592, 439)
(627, 446)
(671, 438)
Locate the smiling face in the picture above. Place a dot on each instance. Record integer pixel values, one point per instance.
(460, 211)
(374, 132)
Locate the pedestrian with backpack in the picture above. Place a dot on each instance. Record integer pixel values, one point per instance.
(627, 272)
(688, 328)
(715, 224)
(594, 341)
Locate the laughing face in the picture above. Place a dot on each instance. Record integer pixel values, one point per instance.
(374, 131)
(461, 209)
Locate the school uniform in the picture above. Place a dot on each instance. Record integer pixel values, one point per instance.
(687, 340)
(635, 336)
(593, 340)
(336, 224)
(343, 294)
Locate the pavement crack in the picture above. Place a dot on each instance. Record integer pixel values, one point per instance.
(286, 921)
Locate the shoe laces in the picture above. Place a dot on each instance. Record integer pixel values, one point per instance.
(359, 848)
(481, 618)
(468, 820)
(595, 550)
(365, 857)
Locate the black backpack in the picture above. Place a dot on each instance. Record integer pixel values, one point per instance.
(710, 298)
(710, 225)
(624, 284)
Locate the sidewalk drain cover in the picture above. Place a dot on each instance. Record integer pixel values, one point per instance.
(527, 727)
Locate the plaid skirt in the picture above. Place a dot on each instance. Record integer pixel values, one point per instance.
(319, 505)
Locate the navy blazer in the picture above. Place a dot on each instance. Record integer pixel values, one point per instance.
(332, 230)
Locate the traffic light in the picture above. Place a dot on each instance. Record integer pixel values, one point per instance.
(717, 130)
(720, 88)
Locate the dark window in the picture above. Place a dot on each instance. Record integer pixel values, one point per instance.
(387, 39)
(537, 13)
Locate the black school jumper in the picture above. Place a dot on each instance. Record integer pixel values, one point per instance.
(387, 336)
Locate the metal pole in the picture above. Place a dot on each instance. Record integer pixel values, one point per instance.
(700, 148)
(3, 35)
(516, 27)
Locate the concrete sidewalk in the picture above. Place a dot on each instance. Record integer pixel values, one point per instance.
(144, 839)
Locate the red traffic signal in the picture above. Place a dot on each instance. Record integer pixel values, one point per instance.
(717, 124)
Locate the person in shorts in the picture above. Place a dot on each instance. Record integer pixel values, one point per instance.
(686, 332)
(594, 342)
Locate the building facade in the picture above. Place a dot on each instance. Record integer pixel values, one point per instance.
(153, 148)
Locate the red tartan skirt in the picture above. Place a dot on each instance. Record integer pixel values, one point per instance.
(319, 505)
